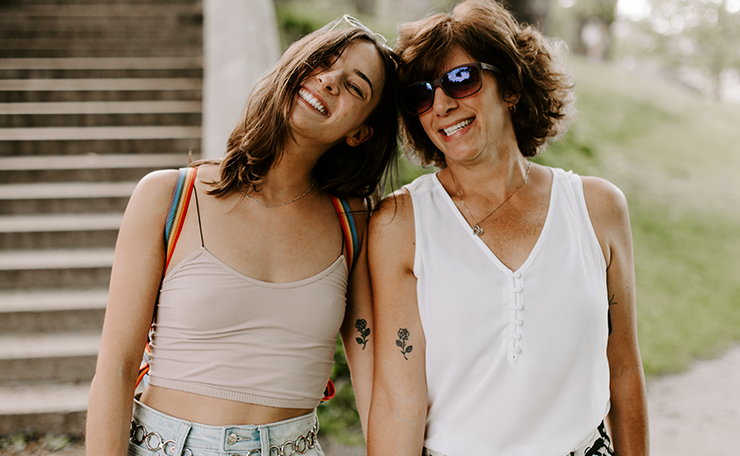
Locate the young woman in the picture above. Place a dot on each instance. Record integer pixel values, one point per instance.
(257, 287)
(504, 290)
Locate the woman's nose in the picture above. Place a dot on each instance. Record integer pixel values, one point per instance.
(329, 80)
(443, 103)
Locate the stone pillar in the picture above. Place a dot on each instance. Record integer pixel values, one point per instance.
(240, 41)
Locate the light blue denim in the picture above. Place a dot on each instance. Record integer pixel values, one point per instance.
(156, 433)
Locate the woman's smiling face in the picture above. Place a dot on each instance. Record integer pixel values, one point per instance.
(465, 128)
(334, 102)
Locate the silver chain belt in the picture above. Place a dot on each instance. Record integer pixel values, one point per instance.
(155, 442)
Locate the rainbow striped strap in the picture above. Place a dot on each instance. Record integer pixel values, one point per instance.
(349, 230)
(172, 228)
(178, 209)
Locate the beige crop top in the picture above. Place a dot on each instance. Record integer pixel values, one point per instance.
(221, 334)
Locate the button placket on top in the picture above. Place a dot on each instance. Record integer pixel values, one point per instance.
(516, 283)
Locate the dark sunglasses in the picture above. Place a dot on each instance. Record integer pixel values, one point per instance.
(459, 82)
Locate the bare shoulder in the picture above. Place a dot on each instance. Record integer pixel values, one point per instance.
(603, 198)
(392, 235)
(395, 211)
(152, 194)
(607, 209)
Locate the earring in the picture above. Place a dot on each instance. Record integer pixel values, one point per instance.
(512, 108)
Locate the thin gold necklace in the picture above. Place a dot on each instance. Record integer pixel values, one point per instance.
(281, 204)
(477, 230)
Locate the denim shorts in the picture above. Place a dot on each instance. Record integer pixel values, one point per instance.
(156, 433)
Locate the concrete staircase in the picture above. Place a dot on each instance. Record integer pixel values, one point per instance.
(93, 95)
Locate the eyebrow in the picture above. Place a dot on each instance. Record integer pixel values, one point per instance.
(362, 75)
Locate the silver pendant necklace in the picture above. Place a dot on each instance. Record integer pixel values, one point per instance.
(281, 204)
(477, 229)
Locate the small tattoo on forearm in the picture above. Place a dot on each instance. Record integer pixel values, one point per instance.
(403, 337)
(364, 331)
(612, 302)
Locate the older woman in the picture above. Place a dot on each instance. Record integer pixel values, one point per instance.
(504, 290)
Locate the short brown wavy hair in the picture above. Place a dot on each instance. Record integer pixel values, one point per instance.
(489, 33)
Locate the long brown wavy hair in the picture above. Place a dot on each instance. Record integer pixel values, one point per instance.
(489, 33)
(257, 143)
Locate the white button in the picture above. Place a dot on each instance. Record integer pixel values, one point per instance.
(519, 307)
(518, 289)
(517, 350)
(517, 275)
(519, 322)
(518, 336)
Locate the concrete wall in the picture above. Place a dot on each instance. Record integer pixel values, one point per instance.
(240, 41)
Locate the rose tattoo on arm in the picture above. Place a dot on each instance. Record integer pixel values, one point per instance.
(364, 331)
(403, 337)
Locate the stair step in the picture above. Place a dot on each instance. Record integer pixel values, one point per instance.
(99, 120)
(102, 10)
(66, 190)
(48, 357)
(51, 96)
(52, 311)
(101, 84)
(43, 398)
(97, 133)
(41, 346)
(86, 168)
(50, 231)
(14, 260)
(58, 408)
(105, 52)
(64, 197)
(102, 63)
(31, 41)
(102, 107)
(51, 269)
(52, 300)
(99, 147)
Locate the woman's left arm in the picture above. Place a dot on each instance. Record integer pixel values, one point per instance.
(357, 328)
(628, 417)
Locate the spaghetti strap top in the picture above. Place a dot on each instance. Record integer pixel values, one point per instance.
(222, 334)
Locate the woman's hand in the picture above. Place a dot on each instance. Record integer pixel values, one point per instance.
(399, 401)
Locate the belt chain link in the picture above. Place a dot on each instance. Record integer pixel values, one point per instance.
(155, 442)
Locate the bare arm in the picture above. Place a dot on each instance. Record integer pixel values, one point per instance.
(358, 329)
(135, 279)
(399, 402)
(628, 418)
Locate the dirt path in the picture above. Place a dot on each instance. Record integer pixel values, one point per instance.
(697, 413)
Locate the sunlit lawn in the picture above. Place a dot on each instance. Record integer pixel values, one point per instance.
(677, 158)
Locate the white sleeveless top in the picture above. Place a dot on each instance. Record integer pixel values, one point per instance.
(515, 360)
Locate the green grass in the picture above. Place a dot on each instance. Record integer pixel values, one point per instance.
(677, 158)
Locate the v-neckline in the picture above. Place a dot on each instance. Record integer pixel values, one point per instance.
(483, 246)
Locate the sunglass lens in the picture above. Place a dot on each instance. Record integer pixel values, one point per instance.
(418, 98)
(462, 82)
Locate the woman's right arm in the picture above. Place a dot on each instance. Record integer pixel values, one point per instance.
(135, 280)
(399, 400)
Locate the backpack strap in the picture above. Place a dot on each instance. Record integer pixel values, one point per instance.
(352, 250)
(172, 228)
(349, 230)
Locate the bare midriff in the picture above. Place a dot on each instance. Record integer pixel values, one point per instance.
(213, 411)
